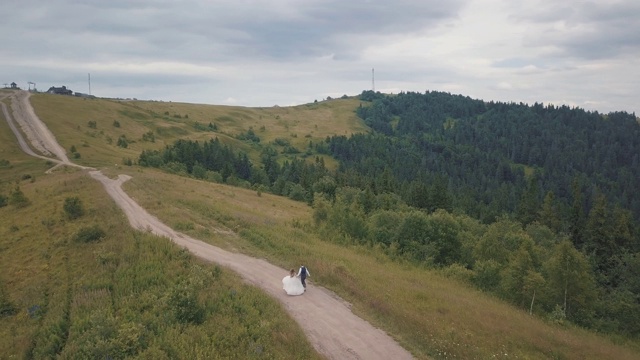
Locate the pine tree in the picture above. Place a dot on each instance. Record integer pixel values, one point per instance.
(549, 214)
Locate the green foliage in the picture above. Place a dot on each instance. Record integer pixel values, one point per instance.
(549, 214)
(459, 273)
(487, 274)
(89, 234)
(149, 136)
(122, 142)
(199, 171)
(517, 276)
(201, 127)
(290, 150)
(17, 198)
(116, 123)
(4, 201)
(7, 308)
(370, 95)
(73, 207)
(281, 142)
(326, 186)
(383, 226)
(184, 303)
(92, 124)
(249, 135)
(570, 283)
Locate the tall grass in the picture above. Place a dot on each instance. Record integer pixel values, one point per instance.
(127, 294)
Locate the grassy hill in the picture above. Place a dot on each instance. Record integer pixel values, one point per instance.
(92, 287)
(428, 313)
(152, 125)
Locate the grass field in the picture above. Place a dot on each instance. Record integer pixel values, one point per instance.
(124, 294)
(430, 315)
(97, 143)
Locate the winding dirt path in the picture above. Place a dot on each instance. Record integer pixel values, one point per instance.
(327, 320)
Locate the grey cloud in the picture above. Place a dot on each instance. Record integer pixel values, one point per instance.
(219, 30)
(319, 27)
(587, 30)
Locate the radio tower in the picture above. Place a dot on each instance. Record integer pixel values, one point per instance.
(373, 81)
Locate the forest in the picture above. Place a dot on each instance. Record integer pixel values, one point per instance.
(536, 204)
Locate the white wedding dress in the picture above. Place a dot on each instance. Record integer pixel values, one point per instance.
(292, 285)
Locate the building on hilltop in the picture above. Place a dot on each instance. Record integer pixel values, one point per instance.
(60, 90)
(14, 85)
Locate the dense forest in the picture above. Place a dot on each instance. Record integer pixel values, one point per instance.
(536, 204)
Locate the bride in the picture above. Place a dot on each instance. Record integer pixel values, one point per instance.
(292, 284)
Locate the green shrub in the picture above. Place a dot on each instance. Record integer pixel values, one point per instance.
(6, 307)
(3, 201)
(184, 303)
(122, 142)
(458, 272)
(149, 136)
(18, 199)
(73, 207)
(89, 233)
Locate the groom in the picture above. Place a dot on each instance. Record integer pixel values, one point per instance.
(303, 273)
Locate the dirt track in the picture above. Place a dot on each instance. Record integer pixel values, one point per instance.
(327, 320)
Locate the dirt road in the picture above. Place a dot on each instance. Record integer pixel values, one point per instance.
(327, 320)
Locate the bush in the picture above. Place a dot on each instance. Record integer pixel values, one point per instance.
(122, 142)
(3, 201)
(116, 123)
(6, 307)
(185, 306)
(73, 207)
(89, 234)
(18, 199)
(149, 136)
(458, 272)
(92, 124)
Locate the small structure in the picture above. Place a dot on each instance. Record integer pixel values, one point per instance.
(14, 85)
(60, 90)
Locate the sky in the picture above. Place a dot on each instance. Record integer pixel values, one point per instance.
(283, 52)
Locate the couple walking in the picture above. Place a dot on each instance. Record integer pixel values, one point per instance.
(295, 284)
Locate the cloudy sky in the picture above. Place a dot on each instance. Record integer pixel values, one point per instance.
(286, 52)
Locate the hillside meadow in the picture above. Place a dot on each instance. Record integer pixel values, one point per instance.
(91, 287)
(430, 315)
(95, 126)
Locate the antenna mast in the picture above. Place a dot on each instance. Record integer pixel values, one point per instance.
(89, 83)
(373, 81)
